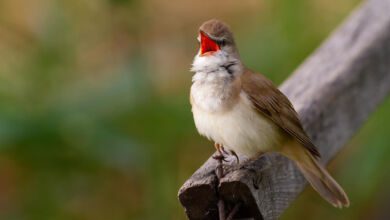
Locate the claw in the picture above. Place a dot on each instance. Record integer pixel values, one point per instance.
(235, 155)
(223, 150)
(219, 157)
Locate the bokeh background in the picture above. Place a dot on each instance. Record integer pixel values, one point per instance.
(95, 121)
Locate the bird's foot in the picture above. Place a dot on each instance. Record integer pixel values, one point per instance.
(219, 157)
(222, 152)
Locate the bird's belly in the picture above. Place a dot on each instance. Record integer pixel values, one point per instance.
(240, 129)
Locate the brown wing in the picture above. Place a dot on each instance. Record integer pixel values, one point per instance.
(268, 100)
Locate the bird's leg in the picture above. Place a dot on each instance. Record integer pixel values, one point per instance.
(221, 151)
(220, 158)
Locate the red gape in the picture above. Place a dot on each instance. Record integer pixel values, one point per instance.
(207, 44)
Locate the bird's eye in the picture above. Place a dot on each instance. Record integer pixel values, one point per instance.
(222, 42)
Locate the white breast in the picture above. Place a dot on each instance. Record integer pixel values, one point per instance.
(221, 117)
(240, 129)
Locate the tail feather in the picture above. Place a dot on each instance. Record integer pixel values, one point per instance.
(324, 184)
(317, 176)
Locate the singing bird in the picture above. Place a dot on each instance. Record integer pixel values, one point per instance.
(245, 114)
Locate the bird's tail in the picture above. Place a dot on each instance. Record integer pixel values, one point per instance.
(316, 175)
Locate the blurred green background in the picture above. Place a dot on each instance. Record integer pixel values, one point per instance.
(95, 121)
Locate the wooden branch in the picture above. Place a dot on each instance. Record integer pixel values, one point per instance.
(334, 92)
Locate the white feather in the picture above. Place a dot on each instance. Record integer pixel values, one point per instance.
(211, 62)
(239, 128)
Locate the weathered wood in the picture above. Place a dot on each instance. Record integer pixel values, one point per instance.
(334, 91)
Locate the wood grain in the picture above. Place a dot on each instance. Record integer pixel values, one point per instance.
(333, 91)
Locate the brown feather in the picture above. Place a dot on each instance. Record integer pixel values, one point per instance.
(316, 174)
(268, 100)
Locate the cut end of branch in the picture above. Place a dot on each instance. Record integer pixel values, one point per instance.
(199, 200)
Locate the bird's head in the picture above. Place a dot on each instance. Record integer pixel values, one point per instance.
(217, 52)
(215, 36)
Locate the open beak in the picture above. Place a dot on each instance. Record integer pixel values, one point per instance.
(207, 45)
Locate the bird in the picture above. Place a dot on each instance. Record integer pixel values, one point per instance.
(244, 113)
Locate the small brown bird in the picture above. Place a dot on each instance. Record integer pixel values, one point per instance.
(244, 113)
